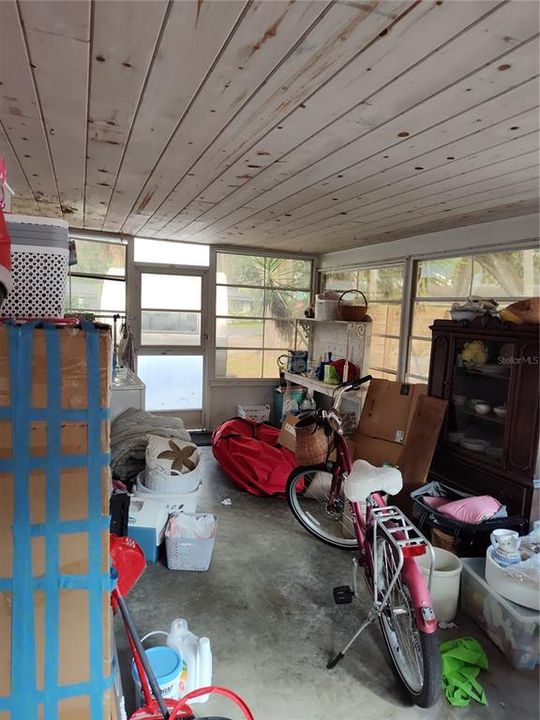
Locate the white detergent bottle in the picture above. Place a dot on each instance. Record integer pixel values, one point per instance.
(196, 656)
(204, 667)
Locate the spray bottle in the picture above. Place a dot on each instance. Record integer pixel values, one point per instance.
(196, 655)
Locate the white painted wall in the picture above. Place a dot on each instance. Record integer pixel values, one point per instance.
(223, 399)
(501, 235)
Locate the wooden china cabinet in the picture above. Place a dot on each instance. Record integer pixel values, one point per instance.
(488, 370)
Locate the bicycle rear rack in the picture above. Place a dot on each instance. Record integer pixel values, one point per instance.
(399, 531)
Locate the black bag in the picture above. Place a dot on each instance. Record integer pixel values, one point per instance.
(469, 540)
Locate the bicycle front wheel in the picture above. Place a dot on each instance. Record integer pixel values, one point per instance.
(308, 495)
(414, 653)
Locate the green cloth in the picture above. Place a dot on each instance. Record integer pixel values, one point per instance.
(462, 661)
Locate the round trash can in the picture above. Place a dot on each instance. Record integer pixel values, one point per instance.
(444, 582)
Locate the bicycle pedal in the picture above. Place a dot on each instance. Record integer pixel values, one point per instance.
(343, 595)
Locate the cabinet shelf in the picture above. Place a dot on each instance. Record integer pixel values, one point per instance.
(490, 417)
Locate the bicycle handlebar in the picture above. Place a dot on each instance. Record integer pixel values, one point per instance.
(347, 387)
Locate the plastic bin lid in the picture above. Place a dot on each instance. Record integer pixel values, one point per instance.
(165, 662)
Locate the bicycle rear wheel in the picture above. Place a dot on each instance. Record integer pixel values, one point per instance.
(414, 653)
(308, 491)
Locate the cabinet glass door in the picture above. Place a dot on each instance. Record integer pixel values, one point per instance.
(479, 395)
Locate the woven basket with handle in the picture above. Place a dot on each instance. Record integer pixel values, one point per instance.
(314, 441)
(350, 311)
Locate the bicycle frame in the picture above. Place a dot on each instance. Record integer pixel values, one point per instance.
(366, 526)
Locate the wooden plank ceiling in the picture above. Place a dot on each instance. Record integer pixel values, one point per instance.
(305, 126)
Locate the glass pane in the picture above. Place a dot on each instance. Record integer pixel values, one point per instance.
(100, 258)
(239, 269)
(270, 365)
(239, 363)
(173, 382)
(170, 328)
(507, 274)
(477, 408)
(382, 375)
(386, 318)
(93, 294)
(279, 333)
(170, 253)
(384, 352)
(425, 313)
(384, 283)
(239, 333)
(170, 292)
(340, 280)
(285, 303)
(445, 277)
(239, 301)
(419, 355)
(289, 273)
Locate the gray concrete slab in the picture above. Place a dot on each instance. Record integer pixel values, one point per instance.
(266, 604)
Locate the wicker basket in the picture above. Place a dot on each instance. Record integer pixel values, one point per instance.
(350, 312)
(443, 540)
(313, 444)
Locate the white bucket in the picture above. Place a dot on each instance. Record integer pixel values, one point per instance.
(167, 665)
(444, 582)
(156, 480)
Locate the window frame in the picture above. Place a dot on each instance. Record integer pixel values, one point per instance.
(107, 313)
(378, 266)
(219, 380)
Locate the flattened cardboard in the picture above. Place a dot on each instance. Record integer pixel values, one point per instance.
(287, 435)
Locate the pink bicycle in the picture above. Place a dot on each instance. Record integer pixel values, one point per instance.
(341, 503)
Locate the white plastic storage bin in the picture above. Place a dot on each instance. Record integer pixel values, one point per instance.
(40, 260)
(189, 552)
(514, 629)
(175, 502)
(258, 413)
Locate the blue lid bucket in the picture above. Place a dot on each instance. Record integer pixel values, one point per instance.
(167, 666)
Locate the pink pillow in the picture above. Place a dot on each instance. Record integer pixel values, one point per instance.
(435, 502)
(471, 510)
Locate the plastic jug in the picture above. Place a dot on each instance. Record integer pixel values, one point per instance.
(196, 655)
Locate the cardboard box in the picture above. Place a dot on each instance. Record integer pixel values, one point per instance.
(32, 534)
(399, 424)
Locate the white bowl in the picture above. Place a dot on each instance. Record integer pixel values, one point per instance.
(500, 411)
(459, 399)
(474, 445)
(482, 408)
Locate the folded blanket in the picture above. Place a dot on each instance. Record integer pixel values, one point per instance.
(129, 437)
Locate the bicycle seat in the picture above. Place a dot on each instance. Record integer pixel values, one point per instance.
(366, 479)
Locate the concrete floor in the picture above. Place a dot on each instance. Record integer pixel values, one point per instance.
(266, 604)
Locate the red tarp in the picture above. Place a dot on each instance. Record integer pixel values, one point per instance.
(248, 454)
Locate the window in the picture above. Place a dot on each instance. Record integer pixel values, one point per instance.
(383, 288)
(168, 252)
(257, 301)
(97, 281)
(505, 276)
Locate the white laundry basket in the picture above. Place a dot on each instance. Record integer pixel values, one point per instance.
(40, 261)
(190, 553)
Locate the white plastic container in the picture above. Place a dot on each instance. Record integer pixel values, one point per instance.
(174, 502)
(146, 524)
(39, 258)
(444, 582)
(167, 664)
(196, 655)
(505, 585)
(158, 481)
(326, 309)
(514, 629)
(257, 413)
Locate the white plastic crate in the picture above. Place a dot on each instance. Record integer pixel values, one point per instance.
(185, 553)
(258, 413)
(39, 258)
(513, 628)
